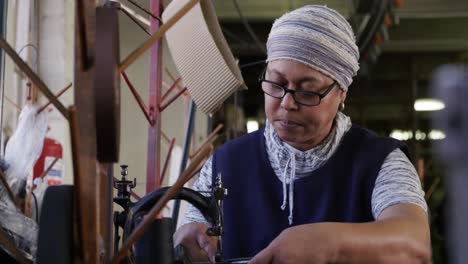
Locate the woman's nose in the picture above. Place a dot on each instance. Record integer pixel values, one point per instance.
(288, 102)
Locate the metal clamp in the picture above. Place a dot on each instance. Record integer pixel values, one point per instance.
(217, 229)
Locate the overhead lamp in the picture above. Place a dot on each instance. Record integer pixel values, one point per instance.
(401, 135)
(436, 134)
(404, 135)
(252, 126)
(428, 104)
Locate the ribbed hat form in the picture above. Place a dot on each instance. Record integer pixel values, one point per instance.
(318, 37)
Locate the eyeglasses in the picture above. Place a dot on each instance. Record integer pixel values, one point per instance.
(307, 98)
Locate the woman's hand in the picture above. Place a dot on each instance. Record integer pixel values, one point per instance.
(298, 244)
(400, 235)
(198, 244)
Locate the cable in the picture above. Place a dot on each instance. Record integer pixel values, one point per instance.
(36, 206)
(250, 64)
(235, 114)
(377, 16)
(248, 28)
(31, 46)
(144, 10)
(134, 20)
(232, 35)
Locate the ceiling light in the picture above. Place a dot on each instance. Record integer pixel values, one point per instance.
(418, 135)
(252, 126)
(428, 104)
(401, 135)
(436, 135)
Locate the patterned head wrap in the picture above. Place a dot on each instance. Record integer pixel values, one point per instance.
(320, 38)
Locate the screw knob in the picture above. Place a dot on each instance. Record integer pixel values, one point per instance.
(124, 171)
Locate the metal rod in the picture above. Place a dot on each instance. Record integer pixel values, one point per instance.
(250, 64)
(49, 168)
(185, 155)
(135, 15)
(33, 77)
(209, 139)
(135, 20)
(156, 209)
(56, 96)
(27, 205)
(137, 97)
(171, 88)
(165, 137)
(156, 36)
(132, 193)
(135, 195)
(145, 10)
(179, 93)
(153, 152)
(166, 162)
(167, 86)
(13, 103)
(249, 29)
(105, 173)
(172, 77)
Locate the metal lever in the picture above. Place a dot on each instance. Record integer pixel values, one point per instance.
(124, 188)
(217, 229)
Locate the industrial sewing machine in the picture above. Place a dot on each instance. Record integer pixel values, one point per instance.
(156, 245)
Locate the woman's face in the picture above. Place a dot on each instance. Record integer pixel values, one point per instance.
(302, 127)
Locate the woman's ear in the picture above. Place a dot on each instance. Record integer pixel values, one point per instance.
(343, 94)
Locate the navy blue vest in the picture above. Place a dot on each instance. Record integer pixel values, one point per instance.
(339, 191)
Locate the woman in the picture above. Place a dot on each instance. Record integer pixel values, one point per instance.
(311, 187)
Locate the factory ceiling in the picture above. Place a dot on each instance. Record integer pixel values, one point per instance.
(424, 25)
(422, 35)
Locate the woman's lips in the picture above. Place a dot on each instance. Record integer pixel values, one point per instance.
(288, 123)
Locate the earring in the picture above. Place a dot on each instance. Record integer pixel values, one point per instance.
(341, 107)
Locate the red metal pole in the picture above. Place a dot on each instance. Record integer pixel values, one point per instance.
(174, 85)
(179, 93)
(155, 94)
(137, 97)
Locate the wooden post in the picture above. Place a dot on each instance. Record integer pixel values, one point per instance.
(84, 143)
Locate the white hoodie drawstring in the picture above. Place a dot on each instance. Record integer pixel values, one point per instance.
(292, 175)
(283, 206)
(291, 188)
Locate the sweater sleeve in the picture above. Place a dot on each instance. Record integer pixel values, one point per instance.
(396, 183)
(202, 184)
